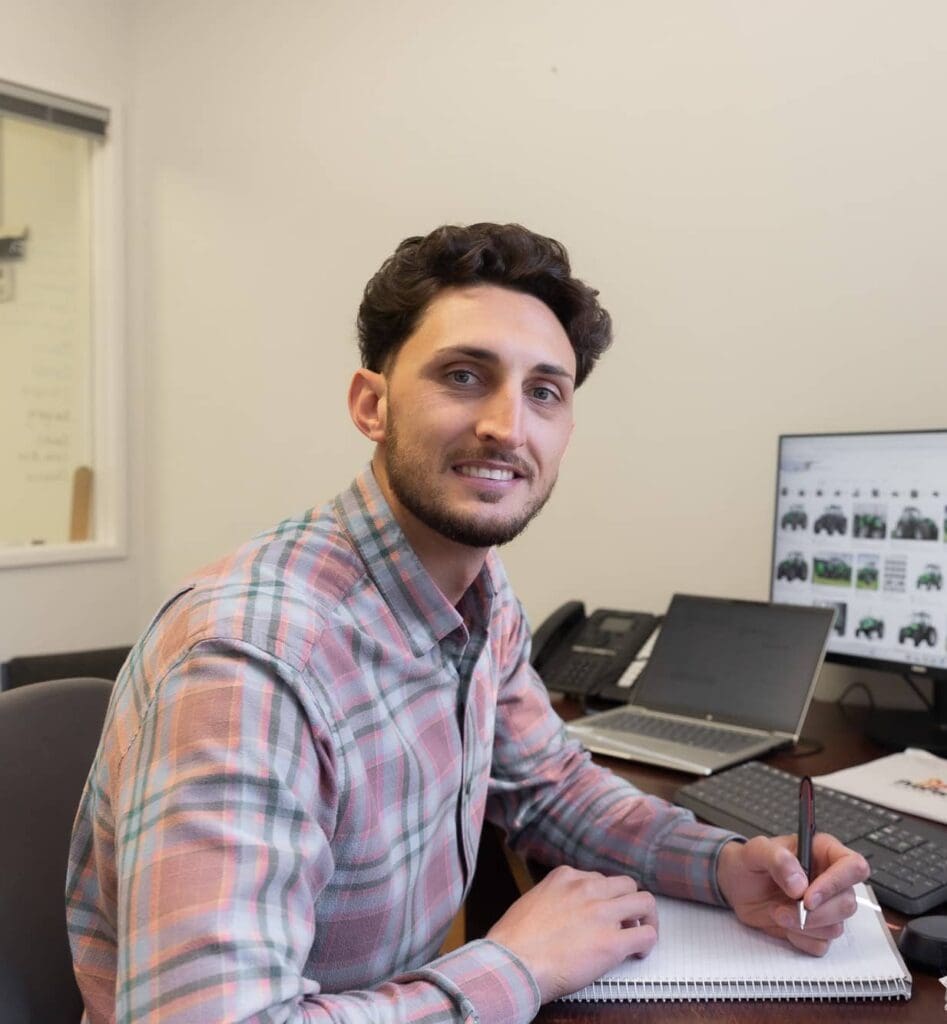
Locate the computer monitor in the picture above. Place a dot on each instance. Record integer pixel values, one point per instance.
(861, 526)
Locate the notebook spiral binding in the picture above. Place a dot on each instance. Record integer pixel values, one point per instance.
(740, 990)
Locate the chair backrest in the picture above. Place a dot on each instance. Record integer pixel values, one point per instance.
(48, 737)
(103, 663)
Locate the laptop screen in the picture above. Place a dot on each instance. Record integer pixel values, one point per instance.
(741, 662)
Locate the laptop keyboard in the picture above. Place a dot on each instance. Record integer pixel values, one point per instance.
(908, 858)
(691, 734)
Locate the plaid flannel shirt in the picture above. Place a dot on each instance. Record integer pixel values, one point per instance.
(283, 815)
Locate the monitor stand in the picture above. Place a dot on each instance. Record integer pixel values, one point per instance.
(925, 729)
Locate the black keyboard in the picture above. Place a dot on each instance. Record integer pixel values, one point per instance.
(908, 857)
(692, 734)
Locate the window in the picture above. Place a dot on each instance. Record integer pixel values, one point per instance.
(59, 427)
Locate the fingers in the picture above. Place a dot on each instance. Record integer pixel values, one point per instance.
(775, 858)
(813, 940)
(836, 868)
(635, 913)
(574, 925)
(823, 926)
(814, 945)
(786, 918)
(613, 886)
(617, 897)
(832, 911)
(839, 869)
(827, 934)
(639, 941)
(640, 924)
(763, 893)
(808, 943)
(628, 910)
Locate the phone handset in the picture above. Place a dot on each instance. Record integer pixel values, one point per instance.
(553, 631)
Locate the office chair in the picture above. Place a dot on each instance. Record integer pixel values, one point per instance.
(48, 736)
(39, 668)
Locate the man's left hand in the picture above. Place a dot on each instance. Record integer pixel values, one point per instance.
(763, 881)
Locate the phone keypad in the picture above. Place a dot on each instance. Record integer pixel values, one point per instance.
(574, 675)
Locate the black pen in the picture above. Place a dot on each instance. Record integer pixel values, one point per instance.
(804, 836)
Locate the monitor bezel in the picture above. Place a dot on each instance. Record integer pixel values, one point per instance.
(901, 668)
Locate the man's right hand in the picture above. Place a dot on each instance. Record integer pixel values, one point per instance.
(576, 925)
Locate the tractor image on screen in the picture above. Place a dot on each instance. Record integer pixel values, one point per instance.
(920, 629)
(832, 520)
(913, 526)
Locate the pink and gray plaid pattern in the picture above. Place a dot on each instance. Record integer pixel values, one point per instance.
(283, 815)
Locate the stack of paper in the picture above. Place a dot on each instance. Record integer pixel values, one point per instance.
(912, 782)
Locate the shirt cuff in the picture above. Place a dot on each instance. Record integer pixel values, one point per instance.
(683, 862)
(718, 893)
(487, 982)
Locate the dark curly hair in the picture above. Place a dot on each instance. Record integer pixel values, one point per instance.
(508, 255)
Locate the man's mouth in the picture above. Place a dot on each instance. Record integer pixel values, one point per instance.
(493, 468)
(486, 472)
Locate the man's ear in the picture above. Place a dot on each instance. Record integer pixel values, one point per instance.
(368, 404)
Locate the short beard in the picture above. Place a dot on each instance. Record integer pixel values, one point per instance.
(414, 488)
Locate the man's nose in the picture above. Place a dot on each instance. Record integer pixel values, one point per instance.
(502, 419)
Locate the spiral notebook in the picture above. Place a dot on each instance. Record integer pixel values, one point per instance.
(706, 953)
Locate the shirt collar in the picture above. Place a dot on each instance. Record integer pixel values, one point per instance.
(425, 615)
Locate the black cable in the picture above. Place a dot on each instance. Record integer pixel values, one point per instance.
(844, 707)
(857, 685)
(928, 705)
(848, 709)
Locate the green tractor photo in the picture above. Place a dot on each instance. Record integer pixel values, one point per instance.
(867, 577)
(913, 526)
(920, 629)
(870, 525)
(831, 521)
(835, 571)
(870, 628)
(794, 519)
(931, 578)
(793, 567)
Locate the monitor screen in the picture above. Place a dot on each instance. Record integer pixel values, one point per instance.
(861, 526)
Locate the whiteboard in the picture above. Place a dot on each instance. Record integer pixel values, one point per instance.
(46, 328)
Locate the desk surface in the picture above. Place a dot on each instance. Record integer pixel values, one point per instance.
(843, 746)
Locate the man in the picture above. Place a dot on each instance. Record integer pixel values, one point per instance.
(283, 816)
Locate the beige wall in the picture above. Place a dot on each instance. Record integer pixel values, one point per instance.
(757, 190)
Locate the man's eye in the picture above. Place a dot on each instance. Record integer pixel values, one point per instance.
(461, 377)
(544, 394)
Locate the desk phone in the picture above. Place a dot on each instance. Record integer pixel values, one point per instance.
(585, 655)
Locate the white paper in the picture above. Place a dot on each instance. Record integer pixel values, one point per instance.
(702, 943)
(912, 782)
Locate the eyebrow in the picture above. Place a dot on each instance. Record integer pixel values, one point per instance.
(487, 355)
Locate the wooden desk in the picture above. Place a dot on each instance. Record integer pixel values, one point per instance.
(843, 745)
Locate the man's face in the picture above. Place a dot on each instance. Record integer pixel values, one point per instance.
(479, 413)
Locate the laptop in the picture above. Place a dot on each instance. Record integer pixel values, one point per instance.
(727, 680)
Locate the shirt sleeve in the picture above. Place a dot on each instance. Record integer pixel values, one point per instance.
(223, 811)
(557, 807)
